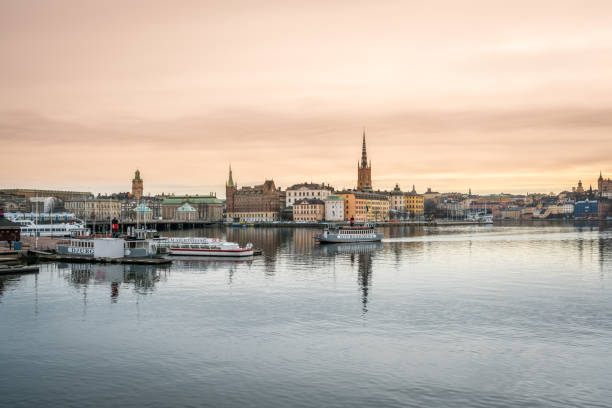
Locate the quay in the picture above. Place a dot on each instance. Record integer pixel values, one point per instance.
(85, 259)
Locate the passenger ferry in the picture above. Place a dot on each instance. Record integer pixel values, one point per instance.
(29, 228)
(204, 247)
(346, 233)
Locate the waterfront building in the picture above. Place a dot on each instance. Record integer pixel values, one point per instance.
(297, 192)
(364, 170)
(34, 200)
(143, 213)
(207, 207)
(257, 203)
(397, 199)
(365, 207)
(415, 204)
(334, 208)
(309, 209)
(586, 209)
(94, 209)
(604, 187)
(186, 213)
(137, 187)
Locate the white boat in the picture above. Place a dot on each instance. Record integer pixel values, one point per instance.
(480, 217)
(204, 247)
(76, 228)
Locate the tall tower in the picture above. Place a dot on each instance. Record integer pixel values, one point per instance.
(230, 190)
(364, 170)
(137, 185)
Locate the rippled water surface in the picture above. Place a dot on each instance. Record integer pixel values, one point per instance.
(447, 317)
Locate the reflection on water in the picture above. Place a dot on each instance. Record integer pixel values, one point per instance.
(455, 316)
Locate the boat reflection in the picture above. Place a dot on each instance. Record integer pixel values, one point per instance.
(360, 253)
(142, 277)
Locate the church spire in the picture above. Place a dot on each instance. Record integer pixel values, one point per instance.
(364, 155)
(230, 181)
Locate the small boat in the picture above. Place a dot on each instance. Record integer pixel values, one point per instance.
(205, 247)
(346, 233)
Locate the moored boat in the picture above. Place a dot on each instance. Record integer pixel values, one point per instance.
(204, 247)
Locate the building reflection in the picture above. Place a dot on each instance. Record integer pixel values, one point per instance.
(141, 278)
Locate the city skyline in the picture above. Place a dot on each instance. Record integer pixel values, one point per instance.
(453, 96)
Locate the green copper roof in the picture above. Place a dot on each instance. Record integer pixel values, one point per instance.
(333, 197)
(186, 208)
(192, 200)
(141, 208)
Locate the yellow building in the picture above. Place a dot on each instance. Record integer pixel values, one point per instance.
(415, 204)
(365, 207)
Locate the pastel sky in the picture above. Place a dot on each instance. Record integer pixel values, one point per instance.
(489, 95)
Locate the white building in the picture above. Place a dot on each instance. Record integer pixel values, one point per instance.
(334, 208)
(298, 192)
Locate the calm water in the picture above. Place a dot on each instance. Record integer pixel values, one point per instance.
(448, 317)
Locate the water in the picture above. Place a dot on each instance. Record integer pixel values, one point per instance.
(448, 317)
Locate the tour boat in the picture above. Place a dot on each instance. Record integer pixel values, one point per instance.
(29, 228)
(205, 247)
(346, 233)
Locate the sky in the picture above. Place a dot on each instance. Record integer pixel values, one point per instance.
(495, 96)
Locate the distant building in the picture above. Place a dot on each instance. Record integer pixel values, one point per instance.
(94, 209)
(415, 204)
(397, 199)
(297, 192)
(137, 187)
(258, 203)
(143, 213)
(604, 187)
(363, 206)
(430, 195)
(364, 170)
(586, 209)
(207, 208)
(309, 209)
(334, 208)
(186, 213)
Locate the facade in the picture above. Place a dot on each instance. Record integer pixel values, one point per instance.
(354, 206)
(143, 213)
(415, 204)
(604, 187)
(334, 208)
(298, 192)
(364, 170)
(13, 203)
(309, 209)
(258, 203)
(365, 207)
(397, 199)
(94, 209)
(186, 213)
(208, 208)
(586, 209)
(137, 187)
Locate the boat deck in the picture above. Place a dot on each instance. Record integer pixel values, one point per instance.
(89, 259)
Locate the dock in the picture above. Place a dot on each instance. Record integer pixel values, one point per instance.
(89, 259)
(12, 270)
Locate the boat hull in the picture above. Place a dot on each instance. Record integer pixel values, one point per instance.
(242, 252)
(339, 238)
